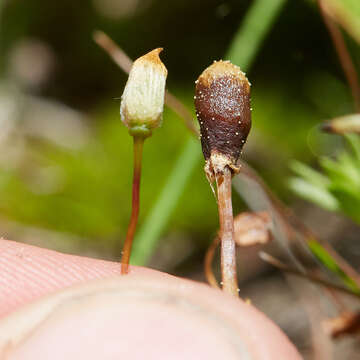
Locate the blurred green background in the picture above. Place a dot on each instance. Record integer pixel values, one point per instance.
(66, 157)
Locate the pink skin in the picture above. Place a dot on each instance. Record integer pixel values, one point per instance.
(68, 307)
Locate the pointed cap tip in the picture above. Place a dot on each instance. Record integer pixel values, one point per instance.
(153, 57)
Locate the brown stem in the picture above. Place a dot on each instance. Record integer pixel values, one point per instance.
(313, 278)
(138, 147)
(228, 259)
(113, 50)
(178, 107)
(209, 256)
(343, 54)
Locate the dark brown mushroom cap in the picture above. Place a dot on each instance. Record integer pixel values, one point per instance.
(222, 102)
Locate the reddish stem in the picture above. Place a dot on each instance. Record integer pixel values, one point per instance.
(228, 259)
(209, 256)
(343, 54)
(138, 147)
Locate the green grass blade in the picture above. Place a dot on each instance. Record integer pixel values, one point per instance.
(147, 238)
(252, 32)
(326, 259)
(309, 174)
(314, 193)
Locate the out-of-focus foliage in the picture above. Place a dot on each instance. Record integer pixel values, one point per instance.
(347, 13)
(47, 56)
(337, 188)
(328, 261)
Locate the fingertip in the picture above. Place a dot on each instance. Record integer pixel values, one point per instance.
(29, 272)
(142, 317)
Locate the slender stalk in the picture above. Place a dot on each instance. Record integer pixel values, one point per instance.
(313, 278)
(343, 54)
(121, 59)
(150, 231)
(209, 256)
(178, 107)
(138, 148)
(228, 258)
(117, 54)
(172, 190)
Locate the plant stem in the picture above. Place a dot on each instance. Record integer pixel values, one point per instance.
(343, 54)
(113, 50)
(228, 258)
(150, 232)
(280, 265)
(209, 256)
(169, 197)
(138, 147)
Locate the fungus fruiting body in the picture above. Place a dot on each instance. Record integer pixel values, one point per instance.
(222, 103)
(141, 111)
